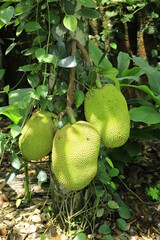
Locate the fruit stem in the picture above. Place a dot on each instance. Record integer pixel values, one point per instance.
(27, 197)
(98, 82)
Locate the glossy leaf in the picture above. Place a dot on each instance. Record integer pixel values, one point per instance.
(15, 130)
(28, 68)
(67, 62)
(15, 161)
(6, 14)
(12, 112)
(33, 80)
(10, 48)
(42, 176)
(11, 176)
(70, 22)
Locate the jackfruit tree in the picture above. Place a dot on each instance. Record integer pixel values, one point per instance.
(74, 108)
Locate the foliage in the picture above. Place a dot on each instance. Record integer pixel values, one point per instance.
(43, 30)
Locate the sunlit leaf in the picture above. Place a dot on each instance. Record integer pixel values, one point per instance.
(68, 62)
(70, 22)
(12, 112)
(6, 14)
(15, 161)
(10, 48)
(112, 204)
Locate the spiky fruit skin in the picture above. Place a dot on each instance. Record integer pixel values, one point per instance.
(74, 155)
(106, 109)
(37, 135)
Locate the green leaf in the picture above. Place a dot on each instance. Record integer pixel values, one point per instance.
(39, 53)
(123, 62)
(113, 172)
(70, 22)
(146, 114)
(18, 202)
(12, 112)
(88, 13)
(104, 229)
(132, 148)
(33, 80)
(6, 14)
(10, 48)
(108, 237)
(28, 68)
(17, 95)
(122, 224)
(6, 89)
(109, 161)
(32, 26)
(113, 45)
(95, 54)
(80, 236)
(143, 88)
(15, 161)
(15, 130)
(100, 212)
(11, 176)
(43, 236)
(2, 72)
(154, 53)
(49, 58)
(154, 193)
(42, 90)
(152, 73)
(88, 3)
(113, 205)
(79, 98)
(20, 29)
(124, 212)
(42, 176)
(68, 62)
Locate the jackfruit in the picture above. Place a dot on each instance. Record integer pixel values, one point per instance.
(74, 155)
(106, 109)
(37, 135)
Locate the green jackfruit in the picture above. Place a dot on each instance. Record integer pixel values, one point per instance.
(106, 109)
(37, 135)
(74, 155)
